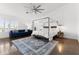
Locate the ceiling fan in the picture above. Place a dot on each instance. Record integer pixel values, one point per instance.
(35, 9)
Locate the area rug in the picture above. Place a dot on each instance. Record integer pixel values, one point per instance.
(33, 46)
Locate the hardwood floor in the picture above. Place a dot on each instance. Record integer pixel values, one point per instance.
(64, 47)
(6, 49)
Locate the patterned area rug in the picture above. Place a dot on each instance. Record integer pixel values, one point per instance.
(33, 46)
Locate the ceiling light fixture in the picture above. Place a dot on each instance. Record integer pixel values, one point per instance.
(34, 9)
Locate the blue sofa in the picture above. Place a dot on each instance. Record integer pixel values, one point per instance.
(15, 34)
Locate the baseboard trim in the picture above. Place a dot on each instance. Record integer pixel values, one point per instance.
(4, 38)
(70, 38)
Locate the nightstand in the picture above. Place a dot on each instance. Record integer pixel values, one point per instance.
(60, 34)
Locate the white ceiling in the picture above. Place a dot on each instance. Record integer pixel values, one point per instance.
(18, 9)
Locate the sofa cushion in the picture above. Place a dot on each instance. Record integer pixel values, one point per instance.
(21, 30)
(19, 33)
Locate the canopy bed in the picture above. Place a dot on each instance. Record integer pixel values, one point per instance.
(45, 27)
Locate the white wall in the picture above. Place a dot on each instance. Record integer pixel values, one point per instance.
(78, 20)
(67, 15)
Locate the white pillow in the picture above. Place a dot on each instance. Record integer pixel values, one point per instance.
(35, 32)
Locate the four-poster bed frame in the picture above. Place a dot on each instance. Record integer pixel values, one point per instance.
(48, 26)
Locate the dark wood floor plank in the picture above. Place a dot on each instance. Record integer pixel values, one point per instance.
(66, 47)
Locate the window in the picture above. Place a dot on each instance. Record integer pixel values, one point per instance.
(7, 25)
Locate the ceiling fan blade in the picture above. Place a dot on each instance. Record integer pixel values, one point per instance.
(41, 9)
(27, 12)
(35, 12)
(38, 6)
(34, 7)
